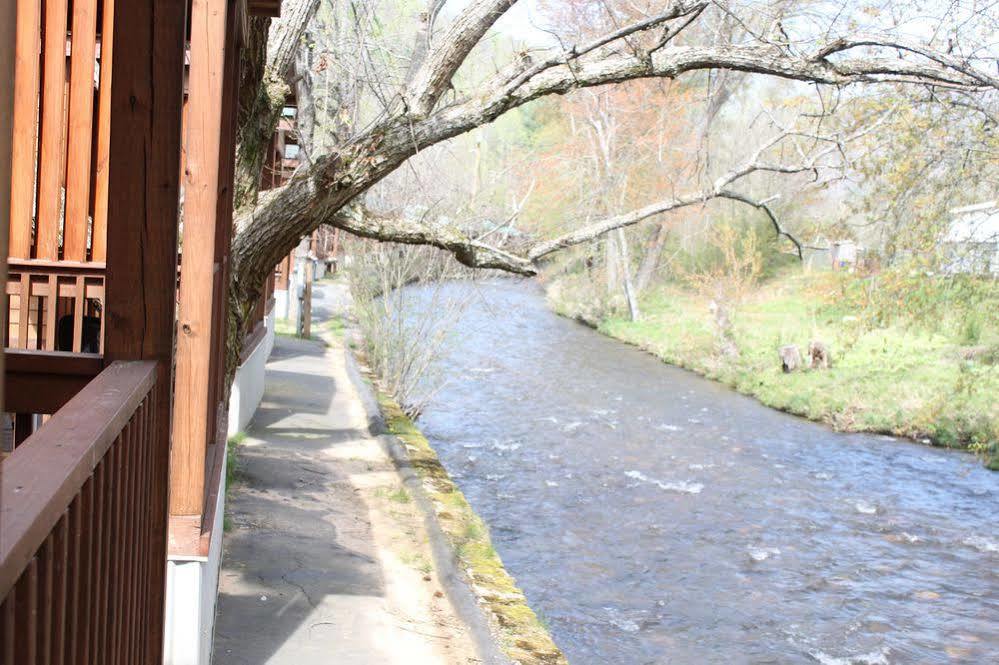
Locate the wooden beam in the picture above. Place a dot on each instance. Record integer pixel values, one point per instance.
(26, 80)
(44, 381)
(265, 7)
(52, 154)
(99, 238)
(194, 415)
(143, 199)
(80, 130)
(8, 67)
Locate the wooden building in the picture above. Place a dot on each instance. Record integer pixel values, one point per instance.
(122, 114)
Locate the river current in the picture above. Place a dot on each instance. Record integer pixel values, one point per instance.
(653, 516)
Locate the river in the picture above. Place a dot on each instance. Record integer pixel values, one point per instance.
(653, 516)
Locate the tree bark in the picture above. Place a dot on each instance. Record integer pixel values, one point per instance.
(629, 289)
(267, 58)
(652, 258)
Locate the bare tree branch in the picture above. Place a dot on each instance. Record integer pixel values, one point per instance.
(448, 51)
(336, 179)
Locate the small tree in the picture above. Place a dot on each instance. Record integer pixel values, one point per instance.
(405, 333)
(730, 274)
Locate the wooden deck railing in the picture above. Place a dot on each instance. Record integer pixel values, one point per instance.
(79, 529)
(55, 306)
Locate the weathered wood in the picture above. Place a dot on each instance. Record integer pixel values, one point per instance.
(8, 66)
(143, 196)
(52, 154)
(26, 81)
(194, 416)
(24, 311)
(51, 300)
(80, 130)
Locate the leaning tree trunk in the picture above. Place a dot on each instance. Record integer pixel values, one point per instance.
(267, 55)
(263, 90)
(413, 120)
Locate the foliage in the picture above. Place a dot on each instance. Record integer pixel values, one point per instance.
(404, 340)
(895, 378)
(935, 153)
(909, 295)
(729, 270)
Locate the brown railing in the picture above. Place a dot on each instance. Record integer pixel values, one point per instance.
(55, 306)
(78, 532)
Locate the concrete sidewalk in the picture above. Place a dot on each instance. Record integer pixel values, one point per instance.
(327, 560)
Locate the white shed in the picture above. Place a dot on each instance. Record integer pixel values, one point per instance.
(971, 244)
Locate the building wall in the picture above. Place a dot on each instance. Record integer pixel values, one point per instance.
(248, 385)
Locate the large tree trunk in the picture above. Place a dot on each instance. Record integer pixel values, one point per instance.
(267, 58)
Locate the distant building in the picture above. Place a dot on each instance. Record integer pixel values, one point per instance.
(823, 254)
(971, 243)
(843, 254)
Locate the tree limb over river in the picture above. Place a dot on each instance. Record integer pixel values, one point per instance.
(425, 110)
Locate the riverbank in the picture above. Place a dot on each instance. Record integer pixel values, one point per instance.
(898, 380)
(520, 634)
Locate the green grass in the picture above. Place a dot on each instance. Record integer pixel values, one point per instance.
(399, 496)
(334, 326)
(901, 380)
(231, 471)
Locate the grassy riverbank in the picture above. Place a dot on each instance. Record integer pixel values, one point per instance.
(523, 636)
(935, 386)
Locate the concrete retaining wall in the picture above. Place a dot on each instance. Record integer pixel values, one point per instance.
(248, 386)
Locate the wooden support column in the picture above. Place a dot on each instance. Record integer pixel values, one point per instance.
(8, 21)
(143, 200)
(206, 153)
(28, 70)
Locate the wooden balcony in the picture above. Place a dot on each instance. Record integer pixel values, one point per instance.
(78, 528)
(101, 332)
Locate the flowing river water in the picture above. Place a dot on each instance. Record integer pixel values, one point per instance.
(652, 516)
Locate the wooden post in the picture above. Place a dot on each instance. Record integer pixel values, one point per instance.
(8, 21)
(143, 200)
(27, 73)
(207, 152)
(307, 300)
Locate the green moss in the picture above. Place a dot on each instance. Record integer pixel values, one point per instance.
(523, 636)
